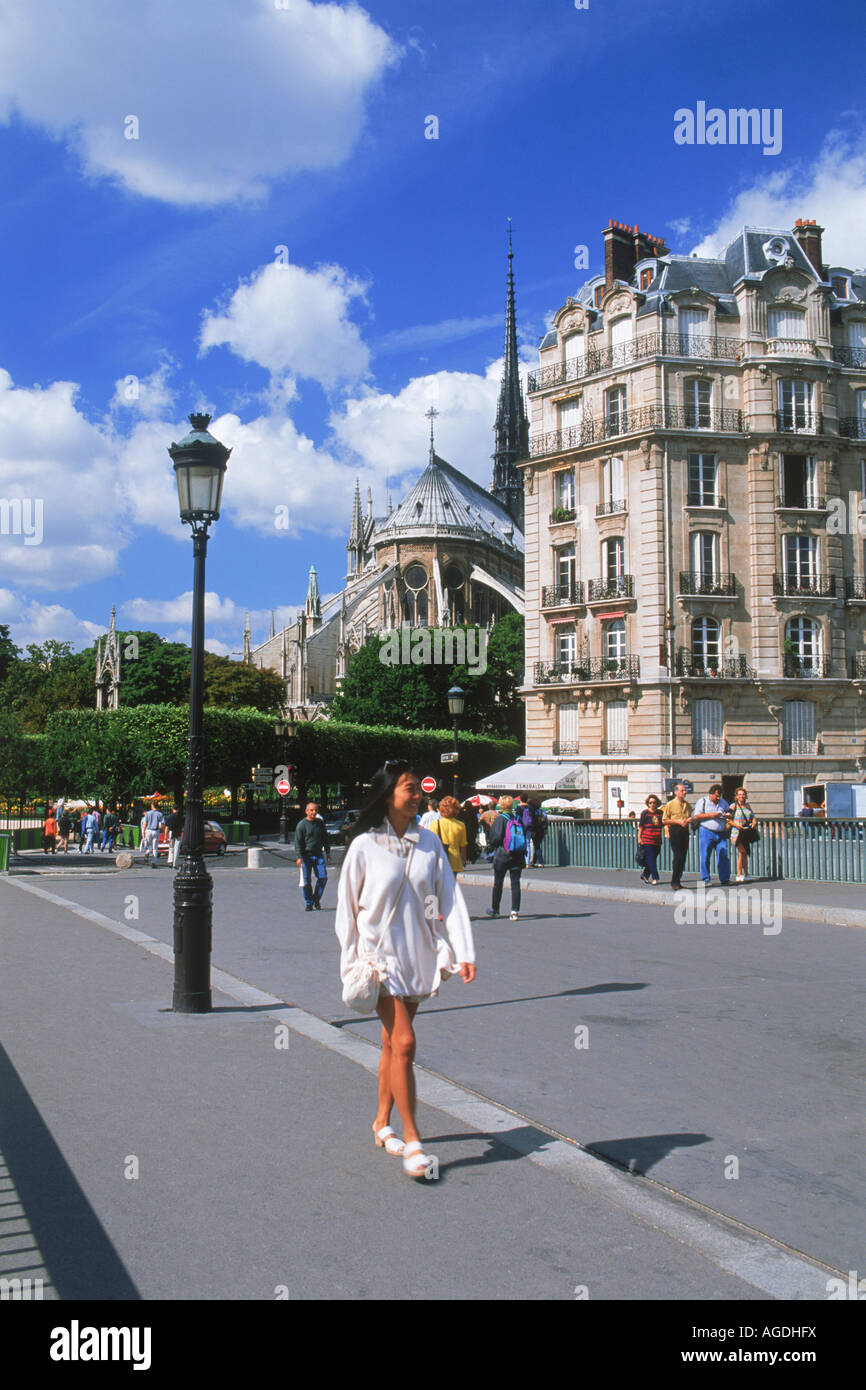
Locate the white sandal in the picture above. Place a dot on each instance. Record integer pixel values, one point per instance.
(386, 1139)
(415, 1161)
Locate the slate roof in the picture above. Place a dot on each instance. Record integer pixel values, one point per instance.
(445, 497)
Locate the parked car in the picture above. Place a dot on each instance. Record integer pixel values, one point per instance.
(214, 838)
(339, 824)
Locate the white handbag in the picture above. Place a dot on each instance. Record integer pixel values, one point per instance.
(361, 987)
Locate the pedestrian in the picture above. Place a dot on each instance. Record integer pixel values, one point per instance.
(487, 821)
(744, 833)
(175, 834)
(469, 817)
(313, 848)
(49, 832)
(59, 809)
(154, 821)
(432, 812)
(452, 832)
(110, 827)
(64, 830)
(710, 816)
(540, 827)
(676, 818)
(649, 838)
(507, 839)
(397, 894)
(527, 817)
(89, 827)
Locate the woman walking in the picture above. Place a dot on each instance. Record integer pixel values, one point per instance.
(742, 821)
(398, 902)
(452, 832)
(507, 839)
(649, 838)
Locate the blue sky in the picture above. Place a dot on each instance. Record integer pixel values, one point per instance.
(140, 277)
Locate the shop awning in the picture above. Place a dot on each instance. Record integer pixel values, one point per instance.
(529, 776)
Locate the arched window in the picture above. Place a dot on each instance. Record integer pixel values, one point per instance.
(415, 602)
(614, 640)
(455, 593)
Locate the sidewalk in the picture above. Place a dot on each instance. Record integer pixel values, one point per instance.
(229, 1156)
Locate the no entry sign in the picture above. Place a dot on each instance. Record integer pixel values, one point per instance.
(428, 784)
(283, 787)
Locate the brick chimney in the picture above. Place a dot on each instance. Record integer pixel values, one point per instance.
(624, 246)
(809, 234)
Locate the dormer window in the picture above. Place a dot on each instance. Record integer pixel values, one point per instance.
(777, 249)
(647, 276)
(840, 286)
(598, 296)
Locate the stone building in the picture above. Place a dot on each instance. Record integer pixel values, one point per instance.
(449, 553)
(694, 522)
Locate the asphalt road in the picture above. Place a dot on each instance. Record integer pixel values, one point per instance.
(722, 1062)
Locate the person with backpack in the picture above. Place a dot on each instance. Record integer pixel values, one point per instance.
(507, 839)
(527, 816)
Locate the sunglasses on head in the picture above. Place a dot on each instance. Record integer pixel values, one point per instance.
(397, 765)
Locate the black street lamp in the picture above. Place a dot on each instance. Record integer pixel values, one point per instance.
(199, 464)
(285, 729)
(456, 701)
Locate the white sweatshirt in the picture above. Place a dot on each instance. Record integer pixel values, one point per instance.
(417, 946)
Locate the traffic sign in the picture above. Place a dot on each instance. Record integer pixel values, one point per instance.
(428, 785)
(448, 757)
(283, 787)
(263, 771)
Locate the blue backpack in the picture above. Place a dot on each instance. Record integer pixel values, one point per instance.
(515, 836)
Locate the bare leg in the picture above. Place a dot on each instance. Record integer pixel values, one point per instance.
(396, 1076)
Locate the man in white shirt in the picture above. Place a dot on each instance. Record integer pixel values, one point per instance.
(153, 823)
(431, 814)
(709, 817)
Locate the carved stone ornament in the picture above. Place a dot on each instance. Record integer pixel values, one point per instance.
(529, 477)
(791, 294)
(684, 701)
(570, 323)
(619, 305)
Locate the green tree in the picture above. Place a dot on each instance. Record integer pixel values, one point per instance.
(231, 683)
(50, 677)
(153, 671)
(9, 653)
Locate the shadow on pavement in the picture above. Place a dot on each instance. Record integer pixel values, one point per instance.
(642, 1153)
(78, 1255)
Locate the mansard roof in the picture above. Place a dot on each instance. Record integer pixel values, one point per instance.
(444, 498)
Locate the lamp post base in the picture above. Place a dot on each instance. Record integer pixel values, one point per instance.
(193, 936)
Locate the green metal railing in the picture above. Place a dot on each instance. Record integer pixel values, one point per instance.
(829, 851)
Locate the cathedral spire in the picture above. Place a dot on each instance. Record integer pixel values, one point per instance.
(313, 606)
(511, 431)
(355, 543)
(248, 656)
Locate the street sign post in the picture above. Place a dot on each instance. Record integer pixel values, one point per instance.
(449, 757)
(428, 785)
(283, 787)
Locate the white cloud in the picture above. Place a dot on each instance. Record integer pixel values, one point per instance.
(30, 621)
(228, 97)
(148, 396)
(172, 618)
(832, 190)
(61, 467)
(295, 321)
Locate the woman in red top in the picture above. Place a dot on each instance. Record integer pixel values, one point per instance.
(49, 833)
(649, 837)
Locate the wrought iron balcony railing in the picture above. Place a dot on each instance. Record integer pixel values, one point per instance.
(623, 354)
(804, 585)
(695, 584)
(705, 499)
(850, 356)
(799, 422)
(562, 595)
(855, 587)
(858, 666)
(562, 514)
(799, 747)
(805, 668)
(634, 420)
(562, 747)
(602, 589)
(707, 668)
(801, 502)
(853, 426)
(595, 668)
(708, 744)
(611, 506)
(610, 746)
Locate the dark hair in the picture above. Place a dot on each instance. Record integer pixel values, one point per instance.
(716, 787)
(375, 806)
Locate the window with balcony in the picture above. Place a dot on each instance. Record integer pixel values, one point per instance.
(566, 572)
(575, 347)
(803, 649)
(570, 413)
(613, 559)
(694, 323)
(860, 408)
(566, 649)
(786, 323)
(857, 334)
(698, 402)
(707, 725)
(800, 563)
(613, 641)
(612, 486)
(703, 480)
(704, 553)
(799, 481)
(616, 727)
(798, 727)
(621, 337)
(795, 406)
(706, 644)
(615, 410)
